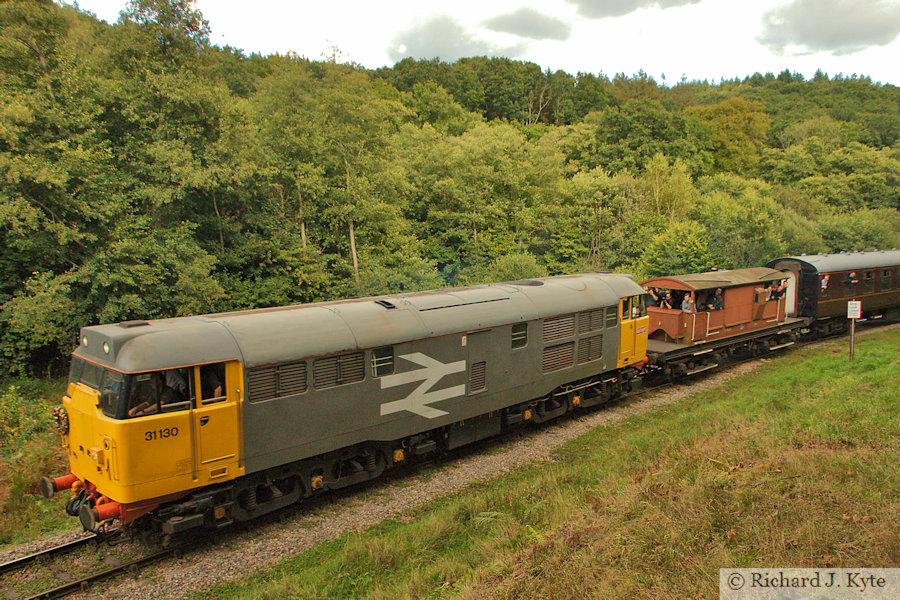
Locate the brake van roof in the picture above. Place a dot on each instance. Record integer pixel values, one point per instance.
(716, 279)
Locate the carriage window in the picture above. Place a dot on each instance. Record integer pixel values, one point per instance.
(382, 361)
(868, 282)
(520, 335)
(885, 280)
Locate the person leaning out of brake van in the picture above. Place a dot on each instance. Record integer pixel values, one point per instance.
(686, 303)
(715, 303)
(654, 298)
(776, 291)
(668, 301)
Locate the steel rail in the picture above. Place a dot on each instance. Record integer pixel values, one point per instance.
(18, 563)
(84, 582)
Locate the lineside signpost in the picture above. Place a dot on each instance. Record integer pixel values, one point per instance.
(854, 312)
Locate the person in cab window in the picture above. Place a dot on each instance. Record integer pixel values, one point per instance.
(211, 384)
(175, 380)
(146, 403)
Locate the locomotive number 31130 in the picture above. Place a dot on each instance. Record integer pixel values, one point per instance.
(160, 434)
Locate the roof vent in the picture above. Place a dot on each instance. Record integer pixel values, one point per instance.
(130, 324)
(386, 304)
(529, 282)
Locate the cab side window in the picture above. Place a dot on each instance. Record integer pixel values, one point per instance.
(638, 308)
(144, 395)
(212, 383)
(176, 391)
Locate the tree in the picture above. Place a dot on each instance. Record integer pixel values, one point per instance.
(627, 137)
(739, 129)
(435, 106)
(670, 188)
(355, 117)
(29, 34)
(683, 248)
(178, 31)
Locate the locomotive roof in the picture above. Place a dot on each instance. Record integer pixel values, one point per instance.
(846, 261)
(716, 279)
(273, 335)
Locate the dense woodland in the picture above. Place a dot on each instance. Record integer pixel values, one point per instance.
(146, 173)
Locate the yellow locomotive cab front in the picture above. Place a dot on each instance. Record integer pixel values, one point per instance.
(133, 442)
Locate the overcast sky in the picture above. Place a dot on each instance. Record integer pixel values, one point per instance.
(671, 39)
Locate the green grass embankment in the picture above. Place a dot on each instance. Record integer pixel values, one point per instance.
(794, 464)
(29, 448)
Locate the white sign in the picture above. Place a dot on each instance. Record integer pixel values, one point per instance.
(854, 309)
(417, 402)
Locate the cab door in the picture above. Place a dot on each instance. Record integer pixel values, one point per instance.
(217, 422)
(633, 331)
(626, 332)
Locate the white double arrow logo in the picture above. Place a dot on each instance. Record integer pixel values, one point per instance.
(417, 402)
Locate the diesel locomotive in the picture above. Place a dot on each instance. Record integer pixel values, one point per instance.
(201, 421)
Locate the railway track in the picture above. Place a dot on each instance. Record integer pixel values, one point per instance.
(20, 563)
(50, 557)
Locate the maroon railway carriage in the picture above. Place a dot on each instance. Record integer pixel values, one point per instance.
(753, 317)
(825, 282)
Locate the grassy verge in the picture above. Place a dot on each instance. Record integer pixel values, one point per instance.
(794, 464)
(29, 448)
